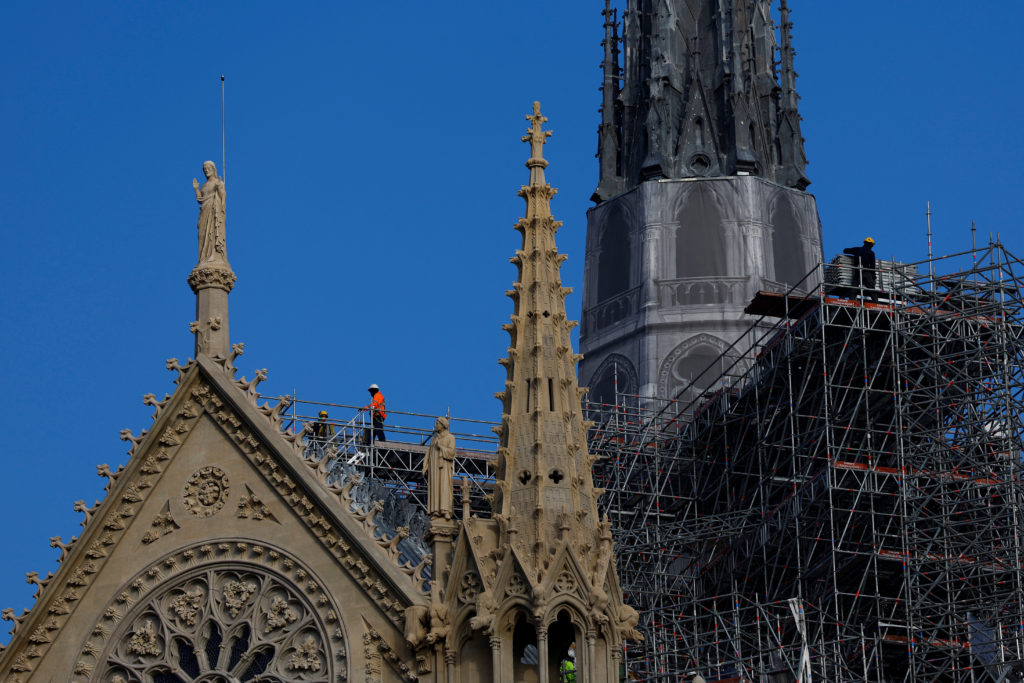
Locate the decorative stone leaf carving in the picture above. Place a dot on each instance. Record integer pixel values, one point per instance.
(186, 605)
(206, 491)
(144, 640)
(251, 507)
(150, 400)
(469, 587)
(280, 614)
(162, 525)
(306, 656)
(172, 364)
(236, 593)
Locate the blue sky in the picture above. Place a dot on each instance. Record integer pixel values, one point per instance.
(373, 161)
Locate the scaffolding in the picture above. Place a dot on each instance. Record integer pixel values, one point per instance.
(842, 503)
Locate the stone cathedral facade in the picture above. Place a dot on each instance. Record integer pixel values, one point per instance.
(220, 554)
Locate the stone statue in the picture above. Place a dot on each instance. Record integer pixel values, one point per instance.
(211, 198)
(439, 469)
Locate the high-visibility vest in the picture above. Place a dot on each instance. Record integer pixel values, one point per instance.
(568, 671)
(377, 405)
(323, 430)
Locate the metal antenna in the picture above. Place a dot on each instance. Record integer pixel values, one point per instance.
(931, 264)
(223, 137)
(974, 243)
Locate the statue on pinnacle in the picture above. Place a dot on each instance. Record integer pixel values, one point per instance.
(212, 278)
(211, 197)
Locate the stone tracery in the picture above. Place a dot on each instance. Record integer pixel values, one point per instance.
(228, 620)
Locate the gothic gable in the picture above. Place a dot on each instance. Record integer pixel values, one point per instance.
(216, 517)
(513, 581)
(468, 578)
(566, 582)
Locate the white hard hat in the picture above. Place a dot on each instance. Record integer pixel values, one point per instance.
(372, 386)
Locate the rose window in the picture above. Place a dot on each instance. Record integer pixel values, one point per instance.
(220, 625)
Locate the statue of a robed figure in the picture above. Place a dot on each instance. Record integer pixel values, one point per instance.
(439, 469)
(211, 197)
(211, 278)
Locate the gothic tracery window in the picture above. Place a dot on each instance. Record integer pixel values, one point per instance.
(222, 623)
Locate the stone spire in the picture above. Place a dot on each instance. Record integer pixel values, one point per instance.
(791, 145)
(700, 96)
(608, 132)
(212, 277)
(544, 481)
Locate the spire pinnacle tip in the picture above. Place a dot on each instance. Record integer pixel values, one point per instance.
(537, 137)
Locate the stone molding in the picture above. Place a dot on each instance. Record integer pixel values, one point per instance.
(206, 276)
(376, 651)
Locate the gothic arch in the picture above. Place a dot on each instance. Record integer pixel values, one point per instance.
(574, 607)
(615, 252)
(680, 374)
(220, 610)
(615, 375)
(564, 633)
(701, 240)
(788, 250)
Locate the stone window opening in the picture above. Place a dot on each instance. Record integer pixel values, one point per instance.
(228, 624)
(562, 635)
(524, 650)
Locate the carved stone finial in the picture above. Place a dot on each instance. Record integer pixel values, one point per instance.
(465, 498)
(536, 137)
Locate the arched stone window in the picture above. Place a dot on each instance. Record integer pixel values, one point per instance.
(219, 613)
(691, 367)
(614, 259)
(701, 242)
(787, 246)
(615, 377)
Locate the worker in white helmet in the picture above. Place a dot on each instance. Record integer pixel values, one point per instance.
(377, 412)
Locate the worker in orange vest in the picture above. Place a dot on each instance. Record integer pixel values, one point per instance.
(377, 412)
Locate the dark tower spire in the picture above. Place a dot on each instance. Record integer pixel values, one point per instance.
(608, 132)
(674, 92)
(791, 142)
(701, 201)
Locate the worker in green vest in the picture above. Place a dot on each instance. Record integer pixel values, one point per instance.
(567, 669)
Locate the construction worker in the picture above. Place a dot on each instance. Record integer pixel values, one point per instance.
(322, 433)
(567, 668)
(322, 429)
(377, 412)
(864, 262)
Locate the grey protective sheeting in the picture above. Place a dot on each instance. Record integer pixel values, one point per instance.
(670, 266)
